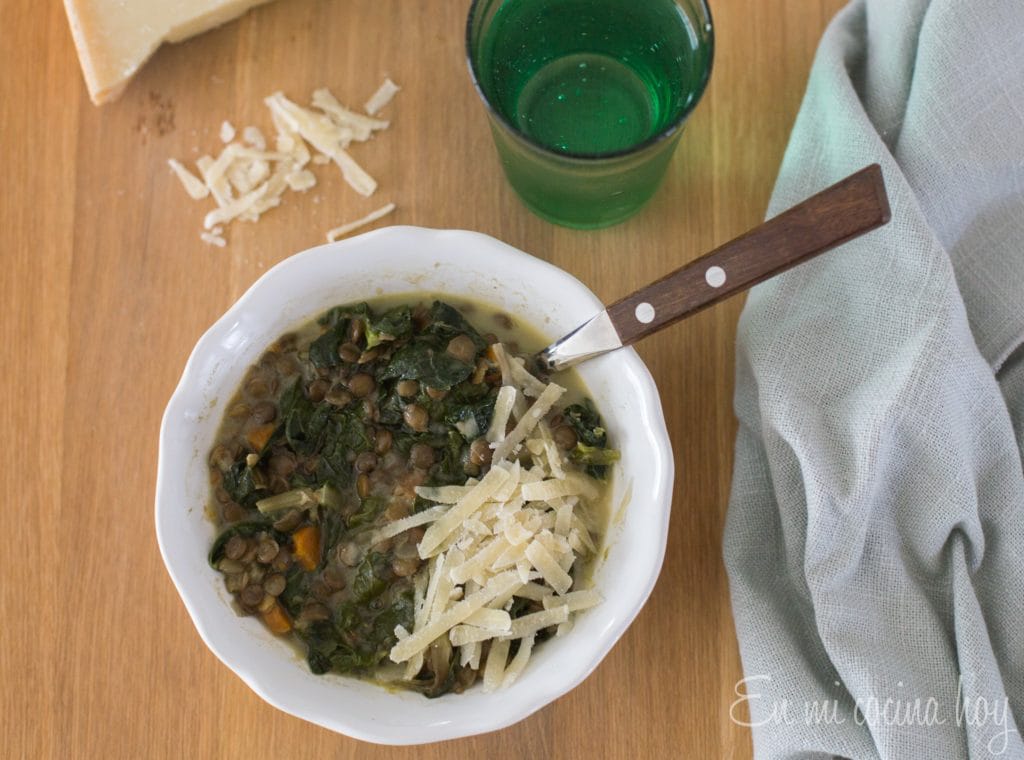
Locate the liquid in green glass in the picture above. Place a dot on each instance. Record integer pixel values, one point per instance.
(586, 78)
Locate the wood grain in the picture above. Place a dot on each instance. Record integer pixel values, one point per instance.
(849, 208)
(105, 288)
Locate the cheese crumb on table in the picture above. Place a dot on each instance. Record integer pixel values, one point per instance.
(382, 97)
(345, 229)
(212, 239)
(227, 132)
(301, 180)
(246, 179)
(326, 136)
(252, 136)
(193, 185)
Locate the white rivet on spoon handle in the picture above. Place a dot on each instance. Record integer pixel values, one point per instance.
(715, 277)
(644, 312)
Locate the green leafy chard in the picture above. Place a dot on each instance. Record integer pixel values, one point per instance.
(389, 408)
(304, 423)
(480, 413)
(323, 352)
(425, 357)
(368, 510)
(391, 325)
(447, 322)
(593, 456)
(332, 527)
(450, 470)
(243, 484)
(591, 449)
(343, 433)
(372, 576)
(466, 402)
(431, 366)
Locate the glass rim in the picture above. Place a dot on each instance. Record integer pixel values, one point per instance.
(654, 139)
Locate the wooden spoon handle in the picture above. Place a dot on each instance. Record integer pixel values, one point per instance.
(847, 209)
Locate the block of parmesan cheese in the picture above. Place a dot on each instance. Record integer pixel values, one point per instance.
(115, 37)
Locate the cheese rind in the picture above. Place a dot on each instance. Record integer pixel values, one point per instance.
(115, 37)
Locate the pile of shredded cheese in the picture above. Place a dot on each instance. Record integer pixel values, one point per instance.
(515, 532)
(249, 177)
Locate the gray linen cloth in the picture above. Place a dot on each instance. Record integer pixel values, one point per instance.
(875, 534)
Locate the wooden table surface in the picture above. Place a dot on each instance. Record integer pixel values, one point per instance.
(105, 288)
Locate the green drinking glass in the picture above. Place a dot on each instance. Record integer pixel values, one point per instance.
(587, 98)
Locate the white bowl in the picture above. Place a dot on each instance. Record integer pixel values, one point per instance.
(399, 260)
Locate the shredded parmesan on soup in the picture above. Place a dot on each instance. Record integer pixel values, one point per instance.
(512, 533)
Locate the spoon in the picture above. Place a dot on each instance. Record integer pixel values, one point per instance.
(842, 212)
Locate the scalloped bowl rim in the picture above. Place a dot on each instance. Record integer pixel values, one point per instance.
(335, 702)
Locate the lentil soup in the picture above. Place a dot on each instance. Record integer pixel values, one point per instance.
(355, 422)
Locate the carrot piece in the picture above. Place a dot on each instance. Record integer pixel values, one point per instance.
(490, 354)
(307, 546)
(481, 370)
(259, 436)
(276, 619)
